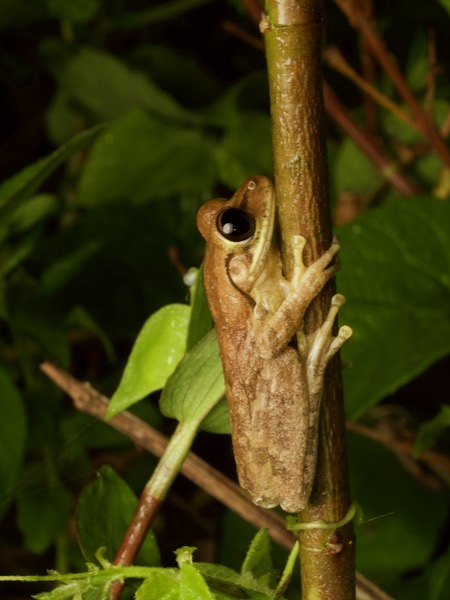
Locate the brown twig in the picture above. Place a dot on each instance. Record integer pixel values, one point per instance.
(433, 459)
(335, 59)
(254, 9)
(386, 167)
(367, 28)
(86, 399)
(338, 113)
(368, 69)
(293, 37)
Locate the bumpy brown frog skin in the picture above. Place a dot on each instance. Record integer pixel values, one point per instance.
(273, 388)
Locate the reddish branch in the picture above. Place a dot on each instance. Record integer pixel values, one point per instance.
(86, 399)
(368, 29)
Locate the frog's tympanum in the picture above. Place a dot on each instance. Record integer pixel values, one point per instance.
(274, 372)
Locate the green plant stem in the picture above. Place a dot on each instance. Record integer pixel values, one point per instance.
(292, 33)
(153, 495)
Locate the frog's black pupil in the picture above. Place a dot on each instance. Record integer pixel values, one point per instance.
(235, 225)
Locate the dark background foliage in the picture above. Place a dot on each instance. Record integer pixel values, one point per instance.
(95, 238)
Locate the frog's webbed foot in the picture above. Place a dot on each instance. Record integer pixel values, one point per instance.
(323, 346)
(310, 280)
(320, 347)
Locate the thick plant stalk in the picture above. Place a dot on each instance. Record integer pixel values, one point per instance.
(292, 31)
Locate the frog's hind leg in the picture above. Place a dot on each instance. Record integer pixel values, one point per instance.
(323, 346)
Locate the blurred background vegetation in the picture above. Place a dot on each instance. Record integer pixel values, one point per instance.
(119, 118)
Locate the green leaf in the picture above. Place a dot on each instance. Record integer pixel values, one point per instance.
(395, 276)
(353, 171)
(32, 212)
(197, 384)
(246, 148)
(83, 589)
(33, 317)
(77, 11)
(105, 509)
(18, 250)
(430, 431)
(60, 272)
(42, 516)
(158, 14)
(230, 585)
(140, 158)
(21, 13)
(258, 561)
(163, 585)
(158, 349)
(445, 4)
(433, 584)
(418, 66)
(80, 318)
(218, 418)
(24, 184)
(192, 584)
(402, 520)
(201, 321)
(106, 87)
(404, 133)
(12, 437)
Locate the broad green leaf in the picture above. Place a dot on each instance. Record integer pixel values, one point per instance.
(227, 583)
(157, 351)
(140, 158)
(83, 589)
(32, 212)
(80, 318)
(218, 418)
(106, 87)
(396, 278)
(258, 561)
(196, 385)
(418, 66)
(21, 13)
(24, 184)
(12, 437)
(77, 11)
(352, 171)
(430, 431)
(174, 70)
(445, 4)
(104, 511)
(201, 321)
(192, 584)
(58, 273)
(432, 584)
(404, 133)
(42, 515)
(163, 585)
(61, 118)
(402, 519)
(33, 317)
(429, 169)
(246, 147)
(158, 14)
(14, 253)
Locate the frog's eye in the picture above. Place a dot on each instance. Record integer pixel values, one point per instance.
(235, 225)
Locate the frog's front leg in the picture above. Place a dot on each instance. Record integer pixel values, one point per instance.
(277, 329)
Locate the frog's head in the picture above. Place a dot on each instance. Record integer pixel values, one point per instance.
(239, 231)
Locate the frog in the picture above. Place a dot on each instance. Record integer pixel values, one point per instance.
(274, 371)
